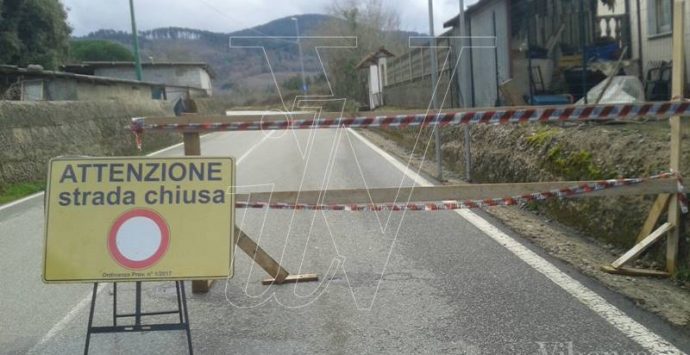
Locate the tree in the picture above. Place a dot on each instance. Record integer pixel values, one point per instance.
(33, 32)
(294, 83)
(374, 26)
(99, 50)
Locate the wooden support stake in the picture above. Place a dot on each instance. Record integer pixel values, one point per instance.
(642, 246)
(278, 274)
(260, 256)
(192, 144)
(634, 272)
(678, 84)
(655, 213)
(192, 147)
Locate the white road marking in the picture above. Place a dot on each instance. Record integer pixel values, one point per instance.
(628, 326)
(637, 332)
(59, 326)
(246, 154)
(27, 198)
(62, 324)
(166, 149)
(631, 328)
(400, 166)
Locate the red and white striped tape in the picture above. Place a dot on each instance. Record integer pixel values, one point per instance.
(454, 205)
(580, 113)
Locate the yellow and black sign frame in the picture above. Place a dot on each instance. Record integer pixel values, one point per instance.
(79, 227)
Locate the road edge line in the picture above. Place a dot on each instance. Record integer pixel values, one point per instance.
(21, 200)
(632, 329)
(60, 325)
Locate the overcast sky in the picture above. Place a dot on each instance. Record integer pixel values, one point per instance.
(231, 15)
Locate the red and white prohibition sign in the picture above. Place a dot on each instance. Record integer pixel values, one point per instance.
(138, 239)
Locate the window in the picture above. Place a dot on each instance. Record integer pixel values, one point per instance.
(660, 17)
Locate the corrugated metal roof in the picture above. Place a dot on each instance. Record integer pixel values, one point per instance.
(105, 64)
(381, 52)
(15, 70)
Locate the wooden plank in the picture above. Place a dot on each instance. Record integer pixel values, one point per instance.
(613, 74)
(678, 90)
(192, 147)
(642, 246)
(634, 271)
(192, 144)
(673, 241)
(201, 286)
(450, 192)
(293, 279)
(260, 256)
(655, 213)
(198, 118)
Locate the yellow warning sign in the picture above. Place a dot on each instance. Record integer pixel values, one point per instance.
(139, 219)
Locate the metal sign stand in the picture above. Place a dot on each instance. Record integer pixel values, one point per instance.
(138, 314)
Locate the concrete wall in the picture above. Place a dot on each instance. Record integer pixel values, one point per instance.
(93, 91)
(214, 106)
(417, 93)
(65, 89)
(31, 133)
(182, 76)
(60, 89)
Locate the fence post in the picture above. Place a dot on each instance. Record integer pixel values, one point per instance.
(676, 134)
(434, 94)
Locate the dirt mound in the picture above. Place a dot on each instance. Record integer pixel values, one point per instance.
(574, 152)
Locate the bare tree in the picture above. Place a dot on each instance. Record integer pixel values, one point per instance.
(375, 25)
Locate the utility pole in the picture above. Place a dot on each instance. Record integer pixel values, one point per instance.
(301, 58)
(135, 36)
(137, 61)
(583, 46)
(463, 102)
(434, 98)
(530, 17)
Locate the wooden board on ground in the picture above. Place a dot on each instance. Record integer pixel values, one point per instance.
(642, 246)
(634, 271)
(291, 279)
(256, 253)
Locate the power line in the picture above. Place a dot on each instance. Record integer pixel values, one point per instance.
(253, 29)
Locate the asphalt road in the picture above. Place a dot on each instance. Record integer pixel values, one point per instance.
(391, 282)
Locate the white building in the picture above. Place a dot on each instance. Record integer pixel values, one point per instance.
(378, 76)
(188, 74)
(652, 36)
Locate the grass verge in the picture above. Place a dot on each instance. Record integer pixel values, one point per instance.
(12, 192)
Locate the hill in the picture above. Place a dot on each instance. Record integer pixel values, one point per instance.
(236, 68)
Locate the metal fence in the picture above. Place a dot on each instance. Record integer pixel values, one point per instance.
(416, 63)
